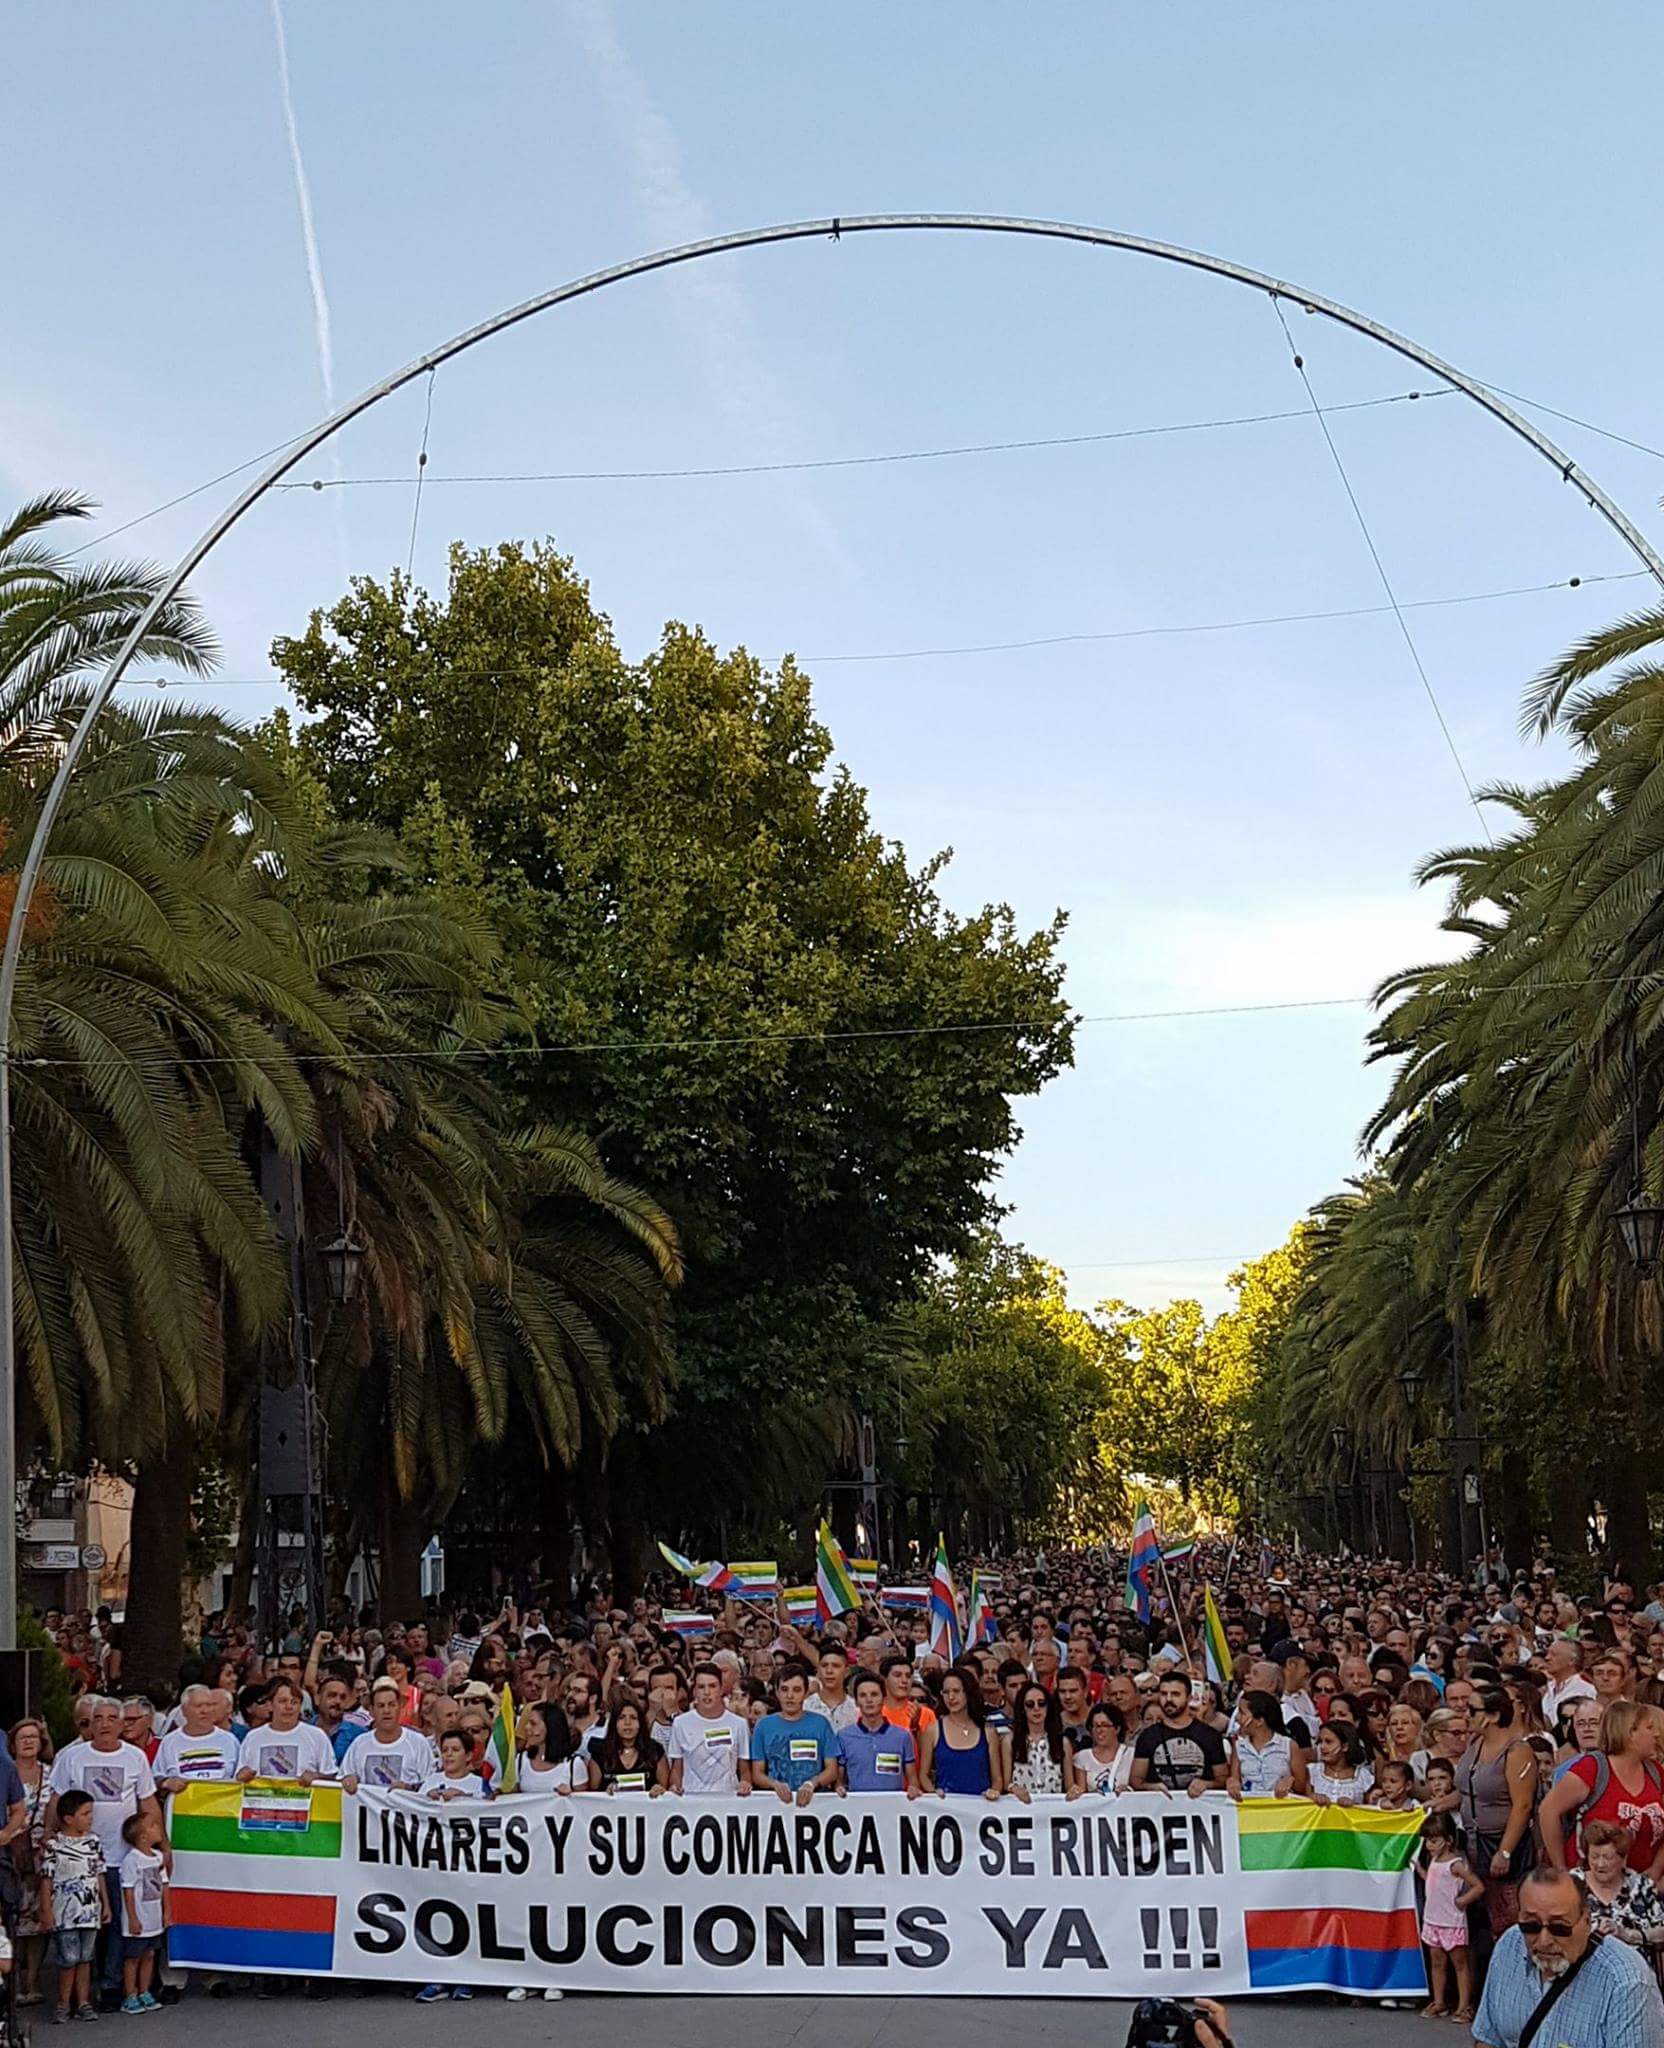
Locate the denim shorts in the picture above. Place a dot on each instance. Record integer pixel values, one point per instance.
(73, 1945)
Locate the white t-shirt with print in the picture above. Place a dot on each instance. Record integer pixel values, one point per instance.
(143, 1874)
(206, 1757)
(470, 1786)
(272, 1753)
(117, 1779)
(406, 1760)
(711, 1751)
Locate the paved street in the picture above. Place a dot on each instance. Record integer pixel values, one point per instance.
(602, 2022)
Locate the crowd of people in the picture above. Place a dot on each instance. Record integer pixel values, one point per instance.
(1523, 1721)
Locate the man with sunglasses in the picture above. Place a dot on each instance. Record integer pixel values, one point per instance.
(1604, 1995)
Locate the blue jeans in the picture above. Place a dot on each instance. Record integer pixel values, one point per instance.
(115, 1942)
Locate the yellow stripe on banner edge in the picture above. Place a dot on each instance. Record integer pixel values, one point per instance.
(223, 1799)
(1299, 1817)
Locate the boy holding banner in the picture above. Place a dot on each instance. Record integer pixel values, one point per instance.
(794, 1753)
(710, 1748)
(877, 1755)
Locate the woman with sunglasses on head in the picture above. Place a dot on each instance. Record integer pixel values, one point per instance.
(1496, 1787)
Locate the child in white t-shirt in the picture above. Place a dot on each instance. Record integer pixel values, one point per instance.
(144, 1881)
(456, 1777)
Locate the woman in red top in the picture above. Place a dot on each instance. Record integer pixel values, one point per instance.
(1622, 1782)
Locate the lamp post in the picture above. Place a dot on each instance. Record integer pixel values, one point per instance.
(836, 230)
(1640, 1226)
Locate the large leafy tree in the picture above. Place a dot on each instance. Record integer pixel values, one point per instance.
(1003, 1394)
(724, 965)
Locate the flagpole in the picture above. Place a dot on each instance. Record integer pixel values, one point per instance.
(1172, 1600)
(1230, 1562)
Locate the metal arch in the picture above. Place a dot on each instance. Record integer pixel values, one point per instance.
(664, 259)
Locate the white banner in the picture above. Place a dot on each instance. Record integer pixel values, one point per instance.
(1099, 1898)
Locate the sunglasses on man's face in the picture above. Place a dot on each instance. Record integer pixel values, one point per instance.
(1562, 1930)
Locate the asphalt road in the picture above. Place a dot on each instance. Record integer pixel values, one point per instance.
(597, 2021)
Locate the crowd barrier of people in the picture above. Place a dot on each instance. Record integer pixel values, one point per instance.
(1526, 1725)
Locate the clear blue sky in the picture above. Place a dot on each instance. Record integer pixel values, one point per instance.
(1229, 818)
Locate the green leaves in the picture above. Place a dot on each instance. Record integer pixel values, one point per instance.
(723, 964)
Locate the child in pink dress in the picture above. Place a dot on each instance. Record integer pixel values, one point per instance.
(1451, 1889)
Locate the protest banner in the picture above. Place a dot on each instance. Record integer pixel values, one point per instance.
(1098, 1898)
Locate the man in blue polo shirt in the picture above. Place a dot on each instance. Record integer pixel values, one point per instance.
(794, 1754)
(877, 1755)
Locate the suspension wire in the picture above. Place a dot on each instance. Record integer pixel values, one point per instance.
(1354, 611)
(1381, 570)
(184, 497)
(421, 472)
(967, 1028)
(1572, 420)
(615, 476)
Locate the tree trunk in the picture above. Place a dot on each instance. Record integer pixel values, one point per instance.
(1399, 1544)
(403, 1533)
(557, 1537)
(626, 1522)
(1628, 1519)
(151, 1635)
(1517, 1525)
(1568, 1518)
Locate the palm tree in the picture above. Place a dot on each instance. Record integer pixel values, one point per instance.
(1527, 1102)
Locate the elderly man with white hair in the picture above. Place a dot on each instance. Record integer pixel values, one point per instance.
(198, 1751)
(119, 1780)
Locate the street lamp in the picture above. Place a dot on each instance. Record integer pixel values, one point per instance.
(343, 1262)
(1412, 1379)
(1641, 1232)
(1340, 1436)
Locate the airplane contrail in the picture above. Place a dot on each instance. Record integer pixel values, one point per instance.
(314, 265)
(303, 194)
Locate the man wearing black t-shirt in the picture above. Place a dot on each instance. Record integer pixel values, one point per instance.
(1179, 1752)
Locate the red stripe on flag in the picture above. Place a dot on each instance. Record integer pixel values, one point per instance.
(280, 1912)
(1333, 1927)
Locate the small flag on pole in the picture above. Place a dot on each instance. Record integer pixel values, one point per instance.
(1141, 1560)
(755, 1580)
(1216, 1652)
(505, 1763)
(715, 1577)
(864, 1571)
(688, 1624)
(835, 1585)
(945, 1637)
(799, 1602)
(905, 1598)
(980, 1626)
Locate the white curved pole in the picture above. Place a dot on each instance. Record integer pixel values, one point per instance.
(663, 259)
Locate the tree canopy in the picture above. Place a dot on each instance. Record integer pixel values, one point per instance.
(768, 1011)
